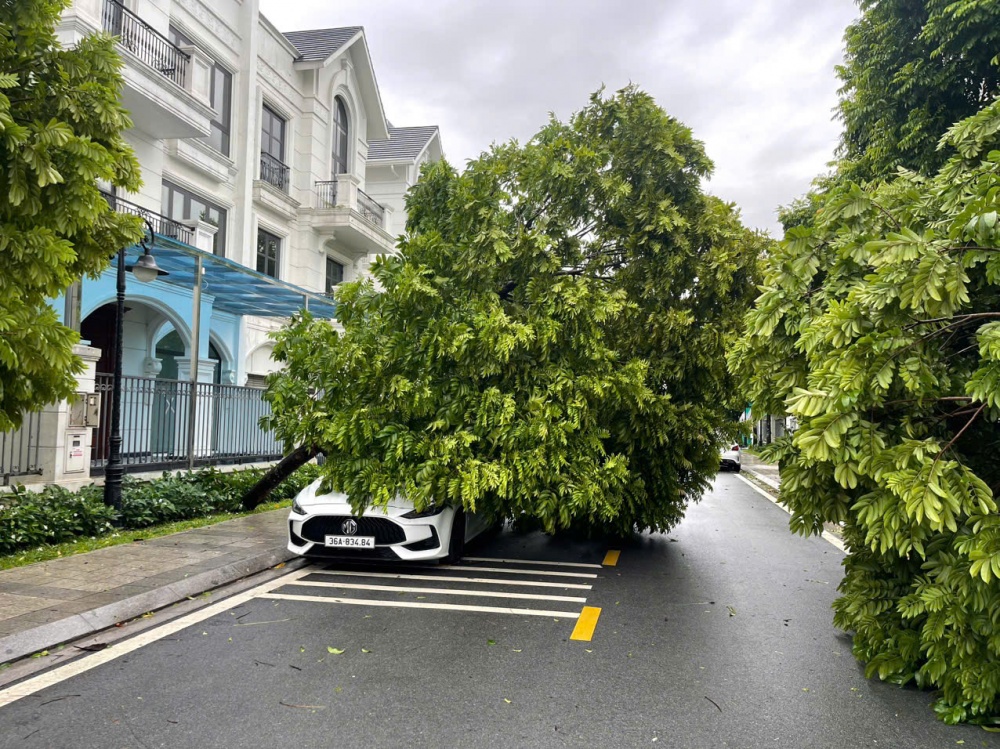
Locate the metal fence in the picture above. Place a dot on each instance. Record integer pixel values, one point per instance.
(326, 193)
(145, 42)
(274, 172)
(370, 209)
(157, 430)
(19, 449)
(162, 225)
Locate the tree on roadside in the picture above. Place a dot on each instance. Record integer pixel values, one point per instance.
(549, 340)
(912, 69)
(61, 128)
(878, 327)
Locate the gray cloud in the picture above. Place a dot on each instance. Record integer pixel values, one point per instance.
(754, 80)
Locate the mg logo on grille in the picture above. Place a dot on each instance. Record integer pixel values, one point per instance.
(349, 527)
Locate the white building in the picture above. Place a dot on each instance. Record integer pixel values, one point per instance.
(268, 163)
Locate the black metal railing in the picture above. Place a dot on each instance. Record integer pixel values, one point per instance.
(370, 209)
(162, 225)
(145, 42)
(326, 193)
(156, 427)
(274, 172)
(19, 449)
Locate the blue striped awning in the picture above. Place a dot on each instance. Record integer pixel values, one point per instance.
(235, 288)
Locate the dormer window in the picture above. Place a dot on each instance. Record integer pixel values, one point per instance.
(340, 137)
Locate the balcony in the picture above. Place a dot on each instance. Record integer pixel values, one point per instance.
(352, 217)
(274, 172)
(166, 88)
(165, 227)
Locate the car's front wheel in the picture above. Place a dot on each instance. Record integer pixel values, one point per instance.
(456, 543)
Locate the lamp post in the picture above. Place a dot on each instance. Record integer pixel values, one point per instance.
(144, 270)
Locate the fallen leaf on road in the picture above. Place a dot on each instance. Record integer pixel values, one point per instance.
(334, 651)
(365, 650)
(732, 611)
(303, 707)
(271, 621)
(93, 648)
(506, 700)
(279, 566)
(301, 649)
(514, 651)
(491, 642)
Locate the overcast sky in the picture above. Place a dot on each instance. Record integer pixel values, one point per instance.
(754, 79)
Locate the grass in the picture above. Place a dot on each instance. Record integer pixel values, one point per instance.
(83, 545)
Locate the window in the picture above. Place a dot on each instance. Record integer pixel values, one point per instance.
(334, 274)
(268, 253)
(272, 149)
(221, 95)
(340, 133)
(183, 205)
(272, 134)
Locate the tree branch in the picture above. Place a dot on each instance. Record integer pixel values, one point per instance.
(953, 320)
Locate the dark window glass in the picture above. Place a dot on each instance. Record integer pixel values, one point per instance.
(221, 96)
(268, 253)
(272, 134)
(340, 133)
(334, 274)
(183, 205)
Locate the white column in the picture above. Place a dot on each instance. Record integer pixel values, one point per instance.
(204, 421)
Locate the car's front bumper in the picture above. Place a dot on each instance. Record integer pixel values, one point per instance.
(396, 538)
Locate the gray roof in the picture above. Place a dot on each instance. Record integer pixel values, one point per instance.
(319, 44)
(404, 143)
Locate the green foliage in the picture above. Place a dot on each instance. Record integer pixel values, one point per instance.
(878, 326)
(53, 515)
(61, 128)
(914, 67)
(550, 339)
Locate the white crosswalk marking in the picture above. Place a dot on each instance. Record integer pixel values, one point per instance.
(508, 578)
(444, 578)
(533, 561)
(422, 605)
(441, 591)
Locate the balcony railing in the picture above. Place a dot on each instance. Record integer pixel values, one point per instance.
(145, 42)
(162, 225)
(370, 209)
(274, 172)
(326, 193)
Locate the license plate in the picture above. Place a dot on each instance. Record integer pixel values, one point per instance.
(351, 542)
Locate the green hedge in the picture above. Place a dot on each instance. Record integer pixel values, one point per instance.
(29, 519)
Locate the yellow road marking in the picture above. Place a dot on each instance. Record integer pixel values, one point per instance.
(611, 559)
(585, 624)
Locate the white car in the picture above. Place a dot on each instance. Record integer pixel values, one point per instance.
(730, 458)
(323, 525)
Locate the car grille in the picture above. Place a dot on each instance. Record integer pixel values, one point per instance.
(384, 530)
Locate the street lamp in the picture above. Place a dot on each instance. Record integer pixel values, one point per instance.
(144, 270)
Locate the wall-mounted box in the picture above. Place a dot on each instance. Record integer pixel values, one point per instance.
(76, 452)
(85, 411)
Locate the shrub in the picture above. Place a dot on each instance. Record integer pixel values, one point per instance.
(55, 515)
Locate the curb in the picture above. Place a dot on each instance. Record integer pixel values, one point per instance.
(72, 627)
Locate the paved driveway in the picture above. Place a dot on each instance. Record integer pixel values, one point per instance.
(716, 635)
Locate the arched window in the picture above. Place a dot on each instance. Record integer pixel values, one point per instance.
(340, 138)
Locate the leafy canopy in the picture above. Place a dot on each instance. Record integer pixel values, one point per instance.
(550, 338)
(61, 130)
(879, 328)
(912, 69)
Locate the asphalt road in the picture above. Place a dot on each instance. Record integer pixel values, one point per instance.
(716, 635)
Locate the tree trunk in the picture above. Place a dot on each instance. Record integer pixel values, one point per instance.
(281, 471)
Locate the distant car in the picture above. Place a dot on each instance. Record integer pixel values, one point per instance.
(323, 525)
(730, 458)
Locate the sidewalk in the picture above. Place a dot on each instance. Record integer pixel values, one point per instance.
(48, 603)
(767, 473)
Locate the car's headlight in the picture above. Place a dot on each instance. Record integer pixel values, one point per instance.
(297, 508)
(429, 512)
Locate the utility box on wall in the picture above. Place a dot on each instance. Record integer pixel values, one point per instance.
(85, 411)
(76, 460)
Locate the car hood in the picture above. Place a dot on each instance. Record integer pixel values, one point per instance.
(339, 503)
